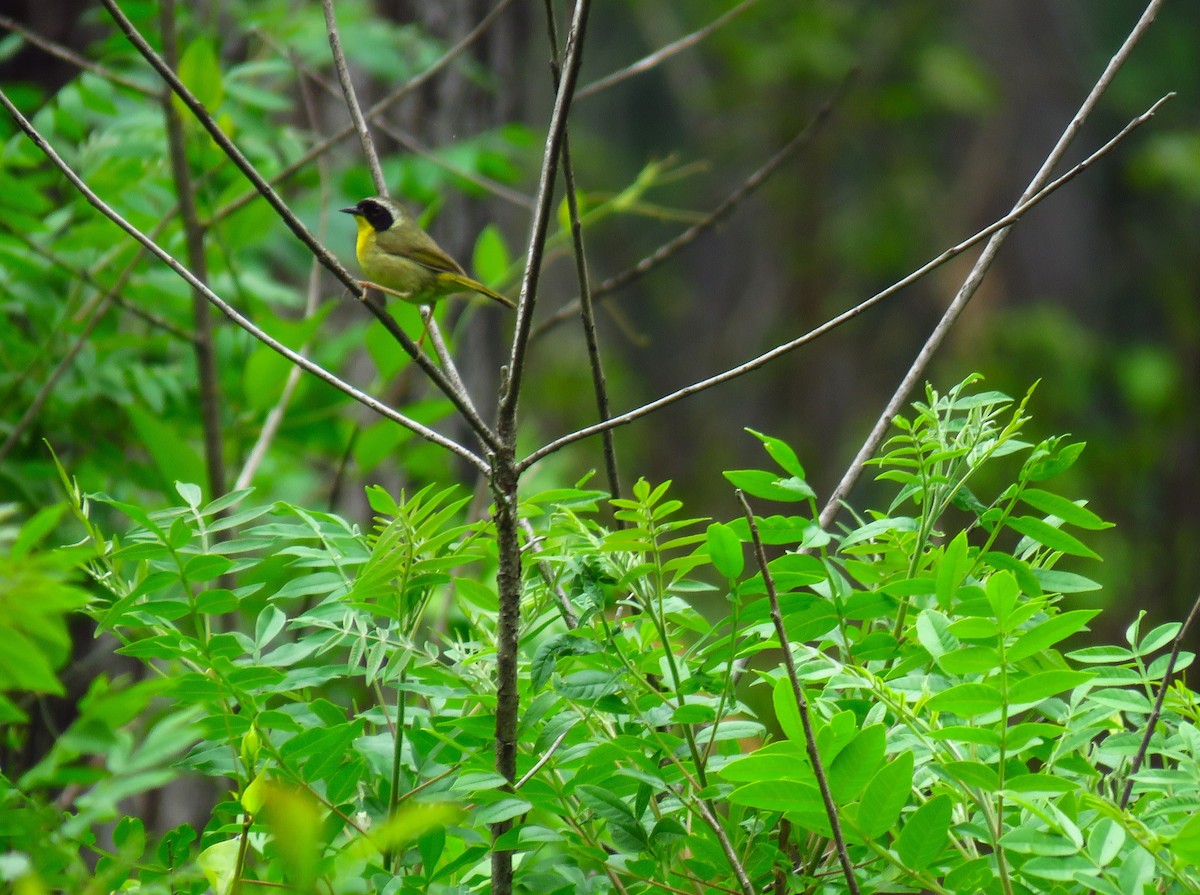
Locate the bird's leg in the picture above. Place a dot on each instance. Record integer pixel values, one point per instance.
(367, 284)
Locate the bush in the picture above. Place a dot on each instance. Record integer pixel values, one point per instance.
(662, 746)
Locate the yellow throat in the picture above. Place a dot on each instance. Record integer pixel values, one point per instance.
(366, 239)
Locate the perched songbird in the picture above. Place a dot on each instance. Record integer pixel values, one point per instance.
(400, 258)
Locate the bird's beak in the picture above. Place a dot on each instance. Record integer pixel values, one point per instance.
(353, 209)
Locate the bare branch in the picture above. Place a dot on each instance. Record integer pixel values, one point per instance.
(1156, 712)
(984, 262)
(661, 55)
(194, 236)
(229, 311)
(789, 662)
(763, 359)
(356, 116)
(587, 312)
(378, 108)
(718, 214)
(294, 223)
(453, 379)
(504, 475)
(69, 55)
(541, 217)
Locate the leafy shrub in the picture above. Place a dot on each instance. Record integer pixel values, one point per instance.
(662, 746)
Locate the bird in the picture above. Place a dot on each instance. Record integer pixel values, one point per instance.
(401, 259)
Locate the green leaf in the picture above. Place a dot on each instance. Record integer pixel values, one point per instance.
(1002, 594)
(933, 633)
(1064, 509)
(1046, 466)
(173, 456)
(885, 796)
(200, 72)
(973, 773)
(952, 569)
(491, 257)
(970, 660)
(725, 551)
(1186, 844)
(1045, 684)
(782, 760)
(1158, 638)
(787, 712)
(1049, 632)
(1028, 840)
(856, 762)
(1105, 841)
(549, 651)
(925, 833)
(769, 486)
(781, 453)
(967, 700)
(1046, 534)
(778, 795)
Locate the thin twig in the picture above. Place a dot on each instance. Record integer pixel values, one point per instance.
(377, 109)
(194, 237)
(293, 222)
(669, 249)
(1156, 712)
(546, 756)
(368, 147)
(164, 256)
(661, 55)
(404, 139)
(351, 98)
(810, 739)
(534, 544)
(69, 55)
(542, 213)
(983, 263)
(587, 312)
(780, 350)
(487, 184)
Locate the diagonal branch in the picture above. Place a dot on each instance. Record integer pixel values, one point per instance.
(453, 378)
(668, 249)
(68, 55)
(229, 311)
(541, 217)
(663, 53)
(789, 662)
(293, 222)
(378, 108)
(1007, 221)
(984, 262)
(1156, 712)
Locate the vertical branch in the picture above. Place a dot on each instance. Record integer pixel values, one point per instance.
(505, 471)
(810, 740)
(980, 269)
(586, 311)
(193, 230)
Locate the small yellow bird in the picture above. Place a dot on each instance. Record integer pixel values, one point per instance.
(400, 258)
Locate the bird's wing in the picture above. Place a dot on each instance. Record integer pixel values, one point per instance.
(419, 246)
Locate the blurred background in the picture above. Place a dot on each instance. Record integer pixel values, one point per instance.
(940, 116)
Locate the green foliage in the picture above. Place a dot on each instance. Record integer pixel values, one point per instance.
(336, 686)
